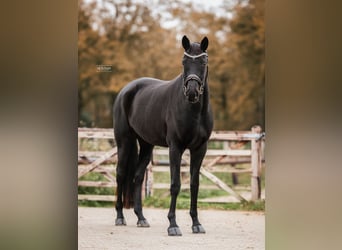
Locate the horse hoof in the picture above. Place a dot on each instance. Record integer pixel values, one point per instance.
(120, 222)
(198, 229)
(143, 223)
(174, 231)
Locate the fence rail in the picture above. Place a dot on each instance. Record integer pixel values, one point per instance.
(231, 153)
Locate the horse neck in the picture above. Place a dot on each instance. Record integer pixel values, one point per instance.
(205, 97)
(206, 103)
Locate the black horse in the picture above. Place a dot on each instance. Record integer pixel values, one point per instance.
(174, 114)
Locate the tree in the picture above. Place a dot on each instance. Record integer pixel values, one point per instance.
(247, 74)
(131, 39)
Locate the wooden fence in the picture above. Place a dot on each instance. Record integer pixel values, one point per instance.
(233, 152)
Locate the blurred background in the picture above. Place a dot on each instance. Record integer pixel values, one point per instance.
(119, 41)
(39, 119)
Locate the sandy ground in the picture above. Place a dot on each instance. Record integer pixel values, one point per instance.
(224, 230)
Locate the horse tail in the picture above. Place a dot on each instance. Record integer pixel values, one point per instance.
(128, 183)
(127, 151)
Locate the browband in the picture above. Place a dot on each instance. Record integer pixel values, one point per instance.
(196, 56)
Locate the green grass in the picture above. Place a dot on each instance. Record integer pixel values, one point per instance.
(95, 204)
(89, 144)
(95, 191)
(184, 203)
(156, 202)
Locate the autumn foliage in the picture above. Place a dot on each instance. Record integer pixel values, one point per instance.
(132, 41)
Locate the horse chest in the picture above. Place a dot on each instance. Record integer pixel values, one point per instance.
(193, 135)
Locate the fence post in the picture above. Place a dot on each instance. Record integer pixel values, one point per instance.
(148, 181)
(256, 165)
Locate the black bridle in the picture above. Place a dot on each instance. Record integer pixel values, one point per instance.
(194, 76)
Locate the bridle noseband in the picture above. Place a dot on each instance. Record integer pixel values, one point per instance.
(193, 76)
(197, 79)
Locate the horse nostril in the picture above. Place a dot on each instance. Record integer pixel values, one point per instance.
(192, 97)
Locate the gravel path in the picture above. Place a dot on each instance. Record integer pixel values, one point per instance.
(224, 230)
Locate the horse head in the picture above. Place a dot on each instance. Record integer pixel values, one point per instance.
(195, 67)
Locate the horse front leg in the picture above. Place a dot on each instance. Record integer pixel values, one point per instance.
(195, 165)
(175, 159)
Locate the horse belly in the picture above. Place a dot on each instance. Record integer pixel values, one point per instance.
(149, 126)
(152, 135)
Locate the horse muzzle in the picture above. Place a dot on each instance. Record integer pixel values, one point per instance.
(193, 88)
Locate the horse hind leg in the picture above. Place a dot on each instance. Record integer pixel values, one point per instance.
(144, 158)
(127, 159)
(120, 219)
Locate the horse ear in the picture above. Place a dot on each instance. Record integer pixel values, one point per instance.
(185, 43)
(204, 44)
